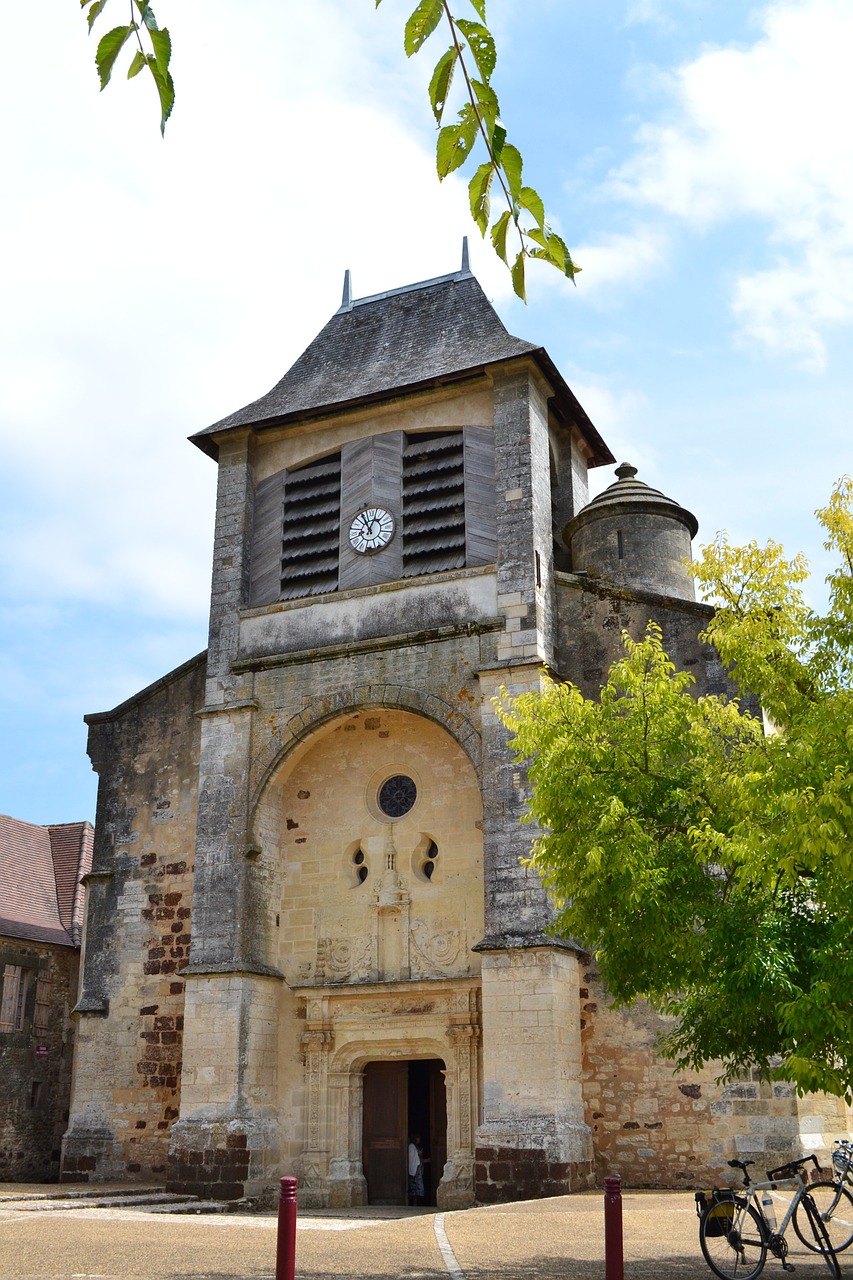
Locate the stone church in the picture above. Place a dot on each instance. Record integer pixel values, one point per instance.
(310, 932)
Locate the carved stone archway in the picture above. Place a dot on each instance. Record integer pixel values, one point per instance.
(323, 710)
(418, 1020)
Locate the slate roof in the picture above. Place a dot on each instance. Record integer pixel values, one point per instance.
(404, 339)
(41, 898)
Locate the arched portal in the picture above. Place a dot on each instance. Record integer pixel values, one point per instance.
(370, 843)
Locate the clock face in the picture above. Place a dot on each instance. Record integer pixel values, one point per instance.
(371, 530)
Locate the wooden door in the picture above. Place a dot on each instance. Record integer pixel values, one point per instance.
(437, 1125)
(384, 1141)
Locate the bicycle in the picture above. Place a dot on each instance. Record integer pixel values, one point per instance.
(738, 1230)
(833, 1200)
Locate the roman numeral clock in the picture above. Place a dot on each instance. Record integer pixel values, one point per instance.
(371, 530)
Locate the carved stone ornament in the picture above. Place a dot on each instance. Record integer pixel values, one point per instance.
(434, 952)
(316, 1041)
(344, 959)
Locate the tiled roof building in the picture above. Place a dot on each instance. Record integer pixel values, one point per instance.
(41, 922)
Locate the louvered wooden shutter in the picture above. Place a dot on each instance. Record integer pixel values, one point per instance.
(481, 533)
(41, 1018)
(370, 476)
(309, 535)
(266, 540)
(433, 503)
(12, 977)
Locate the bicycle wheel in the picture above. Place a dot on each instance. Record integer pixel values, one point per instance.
(819, 1240)
(740, 1252)
(835, 1206)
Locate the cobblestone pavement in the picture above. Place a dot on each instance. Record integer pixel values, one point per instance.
(554, 1239)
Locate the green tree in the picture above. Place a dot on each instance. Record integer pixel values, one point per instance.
(708, 862)
(478, 125)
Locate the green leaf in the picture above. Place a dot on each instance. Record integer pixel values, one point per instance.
(487, 105)
(530, 200)
(421, 25)
(478, 195)
(480, 6)
(109, 48)
(161, 43)
(147, 16)
(166, 90)
(455, 141)
(499, 231)
(498, 139)
(439, 85)
(96, 8)
(511, 163)
(569, 268)
(517, 273)
(138, 61)
(482, 45)
(553, 249)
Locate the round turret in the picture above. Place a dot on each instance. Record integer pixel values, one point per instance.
(635, 537)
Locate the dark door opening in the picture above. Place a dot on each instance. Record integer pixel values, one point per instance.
(400, 1099)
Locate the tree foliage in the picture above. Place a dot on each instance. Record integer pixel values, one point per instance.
(478, 125)
(153, 50)
(708, 862)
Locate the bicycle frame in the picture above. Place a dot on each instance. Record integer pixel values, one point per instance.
(751, 1195)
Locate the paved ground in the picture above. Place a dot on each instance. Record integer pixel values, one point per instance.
(553, 1239)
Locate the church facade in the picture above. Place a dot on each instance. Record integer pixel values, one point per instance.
(310, 929)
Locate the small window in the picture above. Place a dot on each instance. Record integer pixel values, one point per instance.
(358, 861)
(429, 859)
(13, 1003)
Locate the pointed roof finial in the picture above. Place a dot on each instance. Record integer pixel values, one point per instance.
(346, 300)
(466, 269)
(625, 471)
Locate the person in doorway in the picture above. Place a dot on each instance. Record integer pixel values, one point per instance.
(416, 1170)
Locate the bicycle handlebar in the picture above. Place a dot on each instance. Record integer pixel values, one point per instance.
(792, 1167)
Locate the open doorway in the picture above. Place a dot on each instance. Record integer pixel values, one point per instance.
(402, 1098)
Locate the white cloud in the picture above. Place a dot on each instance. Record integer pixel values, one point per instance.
(620, 417)
(764, 131)
(157, 286)
(619, 260)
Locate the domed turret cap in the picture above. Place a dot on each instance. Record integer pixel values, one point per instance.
(635, 537)
(629, 493)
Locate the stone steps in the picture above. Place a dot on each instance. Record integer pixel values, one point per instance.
(153, 1198)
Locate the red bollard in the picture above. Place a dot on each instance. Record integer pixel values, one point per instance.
(285, 1253)
(614, 1268)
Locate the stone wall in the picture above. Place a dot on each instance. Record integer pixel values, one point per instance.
(592, 617)
(533, 1141)
(35, 1062)
(656, 1127)
(128, 1060)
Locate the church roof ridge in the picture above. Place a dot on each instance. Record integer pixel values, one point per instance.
(403, 288)
(377, 347)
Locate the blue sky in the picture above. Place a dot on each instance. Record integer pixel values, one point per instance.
(695, 155)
